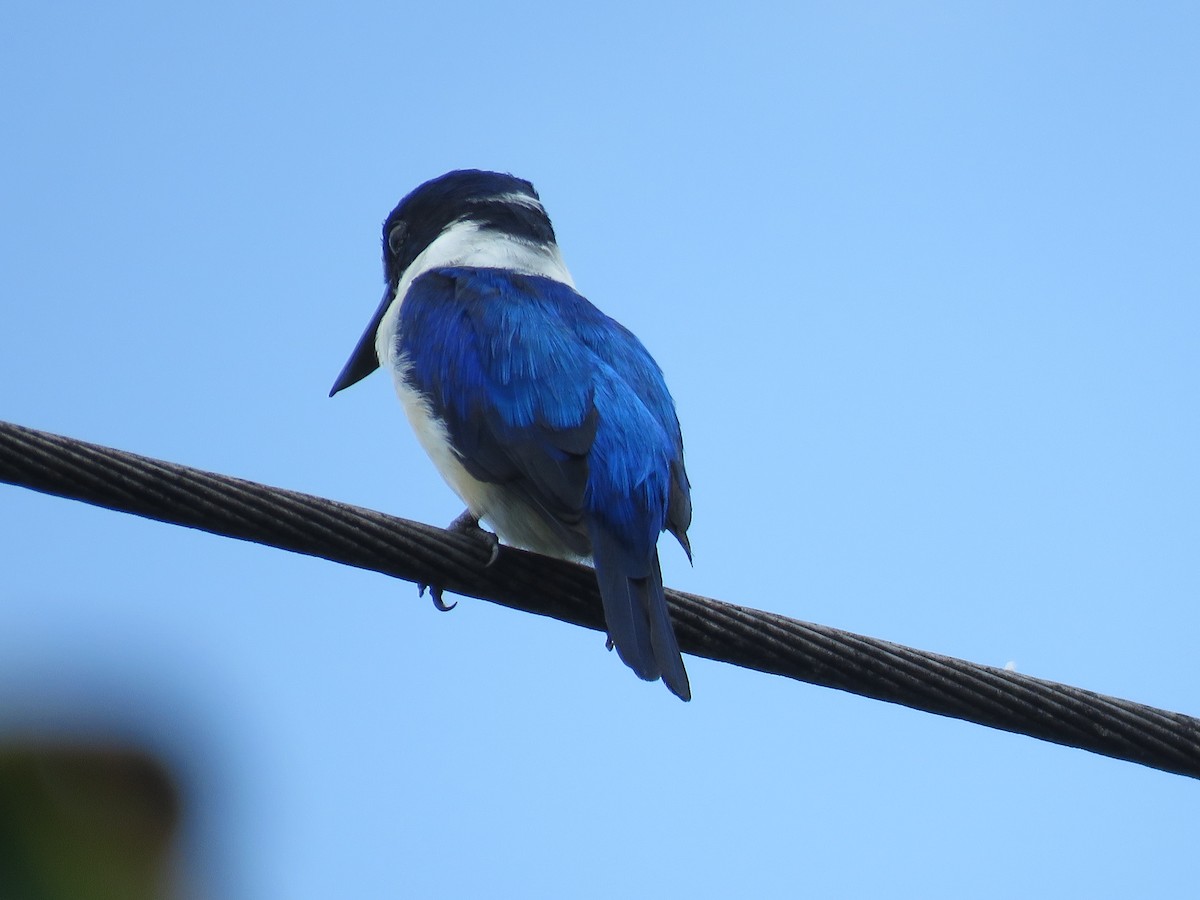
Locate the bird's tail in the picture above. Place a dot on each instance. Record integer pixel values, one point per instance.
(635, 611)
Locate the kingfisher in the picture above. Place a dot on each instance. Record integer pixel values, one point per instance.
(550, 420)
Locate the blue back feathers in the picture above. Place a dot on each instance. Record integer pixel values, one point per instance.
(537, 387)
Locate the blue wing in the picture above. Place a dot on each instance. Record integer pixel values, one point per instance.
(544, 394)
(624, 354)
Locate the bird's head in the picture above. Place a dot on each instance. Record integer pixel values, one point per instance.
(488, 202)
(445, 221)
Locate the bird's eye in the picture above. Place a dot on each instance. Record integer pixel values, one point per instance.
(396, 237)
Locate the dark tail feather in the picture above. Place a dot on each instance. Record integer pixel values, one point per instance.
(635, 612)
(662, 636)
(624, 612)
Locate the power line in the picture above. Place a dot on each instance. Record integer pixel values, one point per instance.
(746, 637)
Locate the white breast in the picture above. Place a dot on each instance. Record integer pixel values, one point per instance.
(464, 244)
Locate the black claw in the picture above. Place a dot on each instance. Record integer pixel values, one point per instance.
(435, 594)
(608, 644)
(495, 542)
(438, 602)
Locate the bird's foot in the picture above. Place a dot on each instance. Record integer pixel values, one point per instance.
(608, 643)
(467, 523)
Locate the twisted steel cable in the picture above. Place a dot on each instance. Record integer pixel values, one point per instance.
(746, 637)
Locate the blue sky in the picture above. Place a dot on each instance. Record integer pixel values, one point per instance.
(923, 279)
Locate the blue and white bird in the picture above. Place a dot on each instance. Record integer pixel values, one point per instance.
(550, 420)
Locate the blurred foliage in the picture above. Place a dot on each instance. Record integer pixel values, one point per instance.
(85, 823)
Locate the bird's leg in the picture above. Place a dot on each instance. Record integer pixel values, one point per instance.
(468, 524)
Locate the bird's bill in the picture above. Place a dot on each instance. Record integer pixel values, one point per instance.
(363, 361)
